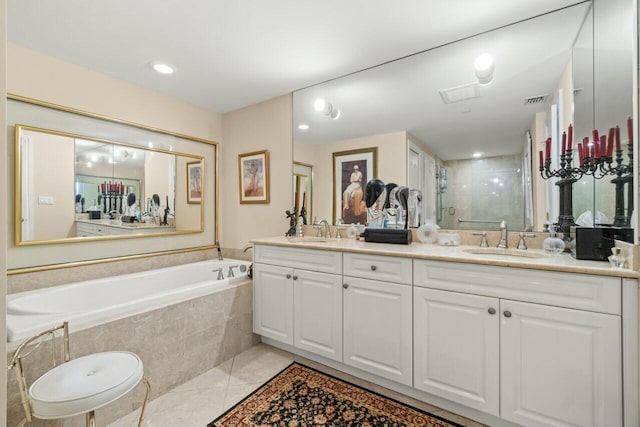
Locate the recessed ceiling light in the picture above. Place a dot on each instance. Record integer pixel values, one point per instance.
(477, 154)
(150, 144)
(303, 126)
(162, 68)
(484, 68)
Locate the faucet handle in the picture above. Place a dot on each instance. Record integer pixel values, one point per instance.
(483, 243)
(521, 243)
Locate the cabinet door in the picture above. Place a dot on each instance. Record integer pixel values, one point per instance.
(273, 302)
(377, 328)
(456, 347)
(318, 313)
(559, 367)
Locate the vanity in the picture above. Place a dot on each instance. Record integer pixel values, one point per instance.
(86, 228)
(505, 340)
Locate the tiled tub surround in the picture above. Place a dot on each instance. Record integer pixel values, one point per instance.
(176, 343)
(503, 340)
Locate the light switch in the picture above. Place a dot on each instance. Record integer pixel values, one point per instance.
(45, 200)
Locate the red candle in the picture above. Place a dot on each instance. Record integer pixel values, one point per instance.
(580, 153)
(603, 145)
(612, 134)
(570, 138)
(596, 137)
(585, 146)
(564, 143)
(547, 149)
(618, 145)
(541, 162)
(592, 153)
(596, 147)
(630, 129)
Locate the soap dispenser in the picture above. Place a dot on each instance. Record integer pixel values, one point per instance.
(553, 244)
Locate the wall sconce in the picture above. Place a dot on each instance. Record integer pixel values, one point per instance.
(324, 107)
(484, 67)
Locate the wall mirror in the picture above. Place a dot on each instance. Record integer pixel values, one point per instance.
(472, 149)
(303, 191)
(95, 188)
(81, 178)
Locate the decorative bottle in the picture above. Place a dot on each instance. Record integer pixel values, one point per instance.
(553, 244)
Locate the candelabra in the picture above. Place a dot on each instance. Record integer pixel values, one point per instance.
(595, 159)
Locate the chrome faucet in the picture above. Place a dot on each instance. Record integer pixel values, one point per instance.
(503, 235)
(327, 229)
(220, 258)
(230, 272)
(219, 271)
(247, 247)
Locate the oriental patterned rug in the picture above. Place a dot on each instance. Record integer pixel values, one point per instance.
(301, 396)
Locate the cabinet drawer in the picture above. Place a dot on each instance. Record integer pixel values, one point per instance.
(579, 291)
(377, 267)
(307, 259)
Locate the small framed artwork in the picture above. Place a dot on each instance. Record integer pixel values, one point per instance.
(351, 172)
(194, 182)
(253, 171)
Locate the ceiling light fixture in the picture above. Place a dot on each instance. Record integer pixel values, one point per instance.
(303, 126)
(163, 68)
(477, 154)
(484, 68)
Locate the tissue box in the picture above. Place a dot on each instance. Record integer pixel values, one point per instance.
(595, 243)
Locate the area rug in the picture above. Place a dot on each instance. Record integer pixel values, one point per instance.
(301, 396)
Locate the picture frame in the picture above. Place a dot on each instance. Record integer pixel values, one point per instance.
(253, 175)
(351, 171)
(194, 182)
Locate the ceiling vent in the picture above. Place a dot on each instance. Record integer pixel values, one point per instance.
(460, 93)
(535, 100)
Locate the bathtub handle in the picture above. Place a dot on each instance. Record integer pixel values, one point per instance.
(288, 276)
(295, 277)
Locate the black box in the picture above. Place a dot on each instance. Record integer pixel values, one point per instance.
(387, 235)
(595, 243)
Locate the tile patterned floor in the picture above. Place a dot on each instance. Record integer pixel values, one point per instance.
(199, 401)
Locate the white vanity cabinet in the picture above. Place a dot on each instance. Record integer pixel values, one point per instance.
(298, 298)
(556, 363)
(377, 316)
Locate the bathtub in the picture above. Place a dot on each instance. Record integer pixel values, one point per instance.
(90, 303)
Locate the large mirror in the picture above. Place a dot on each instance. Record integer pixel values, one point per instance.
(73, 187)
(471, 148)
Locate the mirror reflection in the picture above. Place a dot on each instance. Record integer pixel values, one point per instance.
(101, 188)
(468, 138)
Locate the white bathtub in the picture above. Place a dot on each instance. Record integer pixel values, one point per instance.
(89, 303)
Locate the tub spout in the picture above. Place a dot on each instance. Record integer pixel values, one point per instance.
(220, 258)
(247, 247)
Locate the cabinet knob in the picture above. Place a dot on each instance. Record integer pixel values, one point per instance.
(492, 310)
(374, 268)
(345, 285)
(295, 277)
(507, 313)
(288, 276)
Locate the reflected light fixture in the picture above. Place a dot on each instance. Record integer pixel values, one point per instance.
(162, 68)
(324, 107)
(303, 126)
(484, 67)
(477, 154)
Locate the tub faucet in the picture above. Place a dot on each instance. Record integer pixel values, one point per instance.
(503, 235)
(327, 229)
(220, 258)
(247, 247)
(230, 272)
(219, 271)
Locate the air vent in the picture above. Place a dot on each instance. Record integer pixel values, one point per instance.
(460, 93)
(535, 100)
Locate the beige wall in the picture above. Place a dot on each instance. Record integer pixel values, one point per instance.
(267, 125)
(392, 164)
(3, 207)
(38, 76)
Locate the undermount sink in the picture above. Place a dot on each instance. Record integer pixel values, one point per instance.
(309, 239)
(518, 253)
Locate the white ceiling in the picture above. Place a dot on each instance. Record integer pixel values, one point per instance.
(230, 54)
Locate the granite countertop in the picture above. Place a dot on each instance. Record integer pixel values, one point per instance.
(123, 225)
(562, 262)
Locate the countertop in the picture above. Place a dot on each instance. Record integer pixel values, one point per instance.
(123, 225)
(562, 262)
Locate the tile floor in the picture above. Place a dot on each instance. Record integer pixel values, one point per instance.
(201, 400)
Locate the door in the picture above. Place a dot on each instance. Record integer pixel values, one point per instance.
(273, 302)
(318, 313)
(377, 328)
(559, 367)
(456, 347)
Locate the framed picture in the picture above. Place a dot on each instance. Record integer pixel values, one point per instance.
(351, 172)
(253, 171)
(194, 182)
